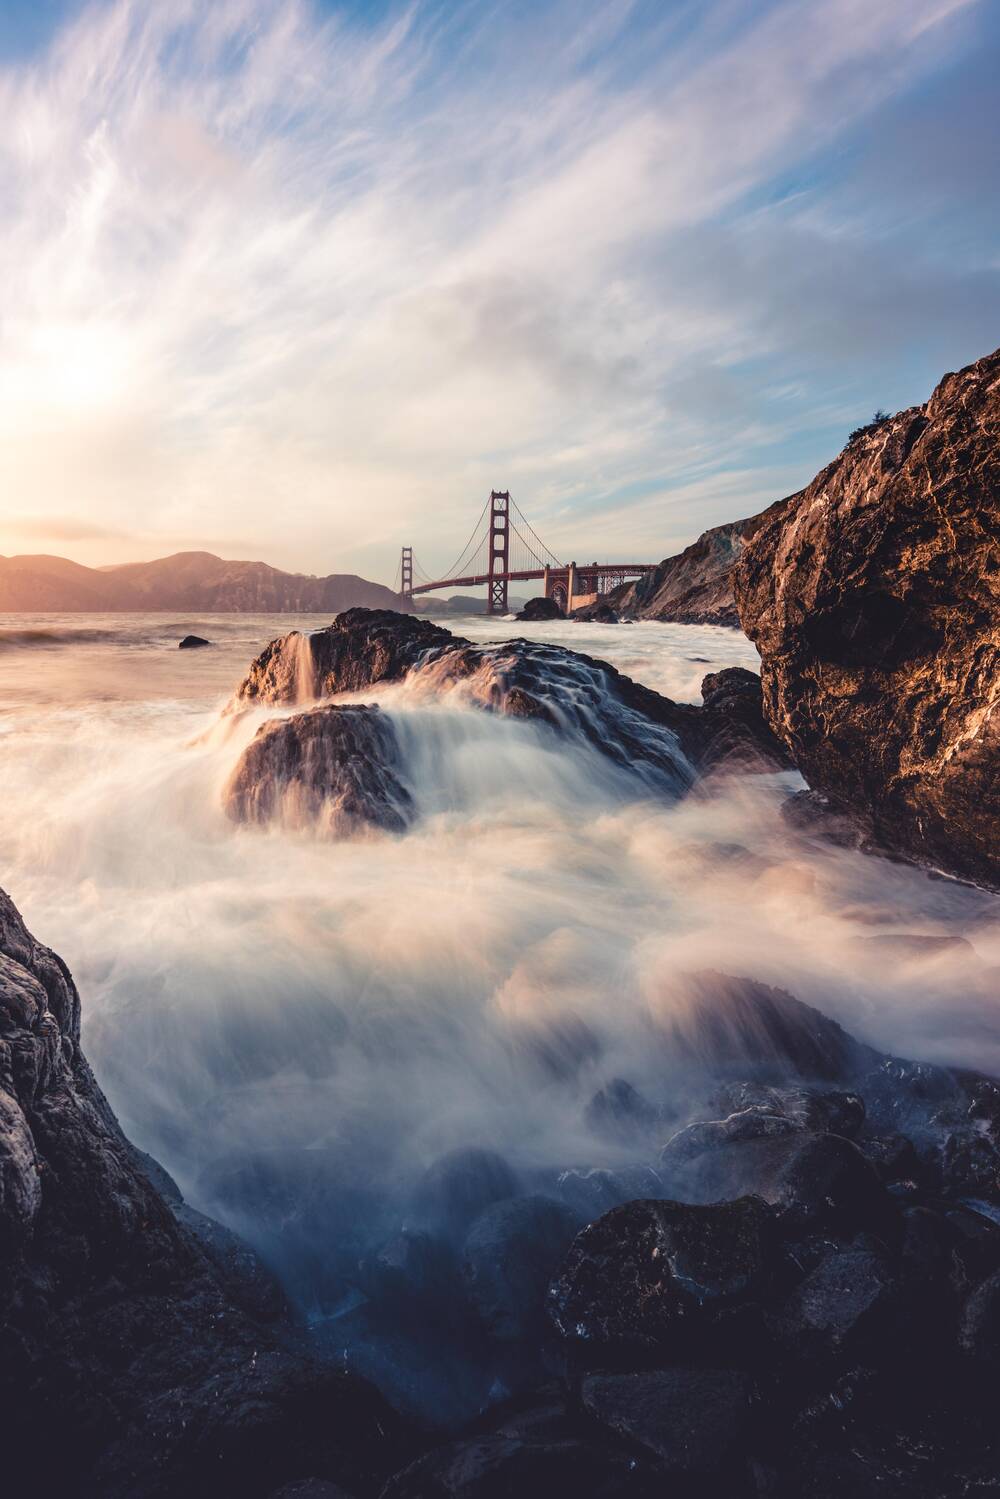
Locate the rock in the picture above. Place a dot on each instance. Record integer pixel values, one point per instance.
(309, 1488)
(818, 1180)
(693, 1420)
(192, 643)
(511, 1252)
(805, 1108)
(334, 768)
(734, 1026)
(591, 1194)
(741, 739)
(118, 1332)
(598, 613)
(360, 648)
(706, 1135)
(642, 1274)
(459, 1186)
(893, 1157)
(495, 1467)
(979, 1331)
(665, 744)
(695, 587)
(619, 1112)
(843, 1303)
(413, 1274)
(872, 598)
(244, 1277)
(540, 609)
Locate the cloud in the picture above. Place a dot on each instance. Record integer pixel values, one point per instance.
(274, 271)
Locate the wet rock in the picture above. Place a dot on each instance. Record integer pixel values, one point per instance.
(241, 1272)
(336, 769)
(734, 1026)
(120, 1327)
(645, 1271)
(619, 1112)
(872, 599)
(591, 1194)
(979, 1331)
(413, 1274)
(459, 1186)
(813, 815)
(511, 1252)
(494, 1467)
(693, 1420)
(360, 648)
(842, 1304)
(599, 613)
(893, 1156)
(192, 643)
(815, 1179)
(840, 1113)
(540, 609)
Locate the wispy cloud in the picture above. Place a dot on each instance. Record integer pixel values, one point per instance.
(274, 271)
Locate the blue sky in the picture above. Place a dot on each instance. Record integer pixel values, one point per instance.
(304, 281)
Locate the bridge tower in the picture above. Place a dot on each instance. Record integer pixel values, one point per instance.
(499, 551)
(406, 574)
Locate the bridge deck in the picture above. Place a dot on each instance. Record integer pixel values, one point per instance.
(586, 569)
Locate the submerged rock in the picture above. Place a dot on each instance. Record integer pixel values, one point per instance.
(192, 643)
(872, 598)
(334, 768)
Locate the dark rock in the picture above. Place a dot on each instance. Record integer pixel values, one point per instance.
(693, 1420)
(360, 648)
(414, 1273)
(593, 1193)
(459, 1186)
(117, 1330)
(979, 1331)
(598, 613)
(619, 1112)
(309, 1488)
(500, 1467)
(512, 1251)
(645, 1271)
(709, 1134)
(540, 609)
(192, 643)
(740, 739)
(812, 814)
(817, 1179)
(893, 1156)
(842, 1304)
(735, 1026)
(334, 768)
(805, 1108)
(872, 599)
(244, 1277)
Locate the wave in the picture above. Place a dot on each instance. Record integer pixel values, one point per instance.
(59, 635)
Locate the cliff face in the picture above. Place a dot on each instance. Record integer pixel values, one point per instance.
(696, 586)
(142, 1351)
(873, 597)
(192, 581)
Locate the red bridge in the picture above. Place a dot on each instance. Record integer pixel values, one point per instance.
(499, 552)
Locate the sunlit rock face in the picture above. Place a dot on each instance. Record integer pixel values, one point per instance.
(873, 597)
(334, 769)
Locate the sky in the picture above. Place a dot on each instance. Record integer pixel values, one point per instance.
(302, 281)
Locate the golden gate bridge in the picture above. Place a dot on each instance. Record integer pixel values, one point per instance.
(504, 548)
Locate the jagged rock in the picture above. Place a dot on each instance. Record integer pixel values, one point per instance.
(620, 1112)
(730, 1025)
(709, 1134)
(540, 609)
(805, 1108)
(360, 648)
(459, 1186)
(244, 1277)
(872, 599)
(192, 643)
(511, 1252)
(695, 587)
(644, 1272)
(591, 1194)
(740, 738)
(334, 768)
(693, 1420)
(666, 744)
(816, 1179)
(844, 1302)
(117, 1332)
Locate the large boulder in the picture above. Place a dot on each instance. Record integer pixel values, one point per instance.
(142, 1351)
(872, 597)
(335, 768)
(539, 610)
(692, 1420)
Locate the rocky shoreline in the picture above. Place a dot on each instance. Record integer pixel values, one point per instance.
(787, 1285)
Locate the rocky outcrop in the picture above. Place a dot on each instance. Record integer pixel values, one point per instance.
(143, 1351)
(668, 744)
(872, 597)
(695, 587)
(335, 769)
(192, 643)
(540, 609)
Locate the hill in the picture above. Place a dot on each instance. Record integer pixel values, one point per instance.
(190, 581)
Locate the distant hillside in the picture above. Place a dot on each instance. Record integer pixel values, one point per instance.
(195, 582)
(695, 586)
